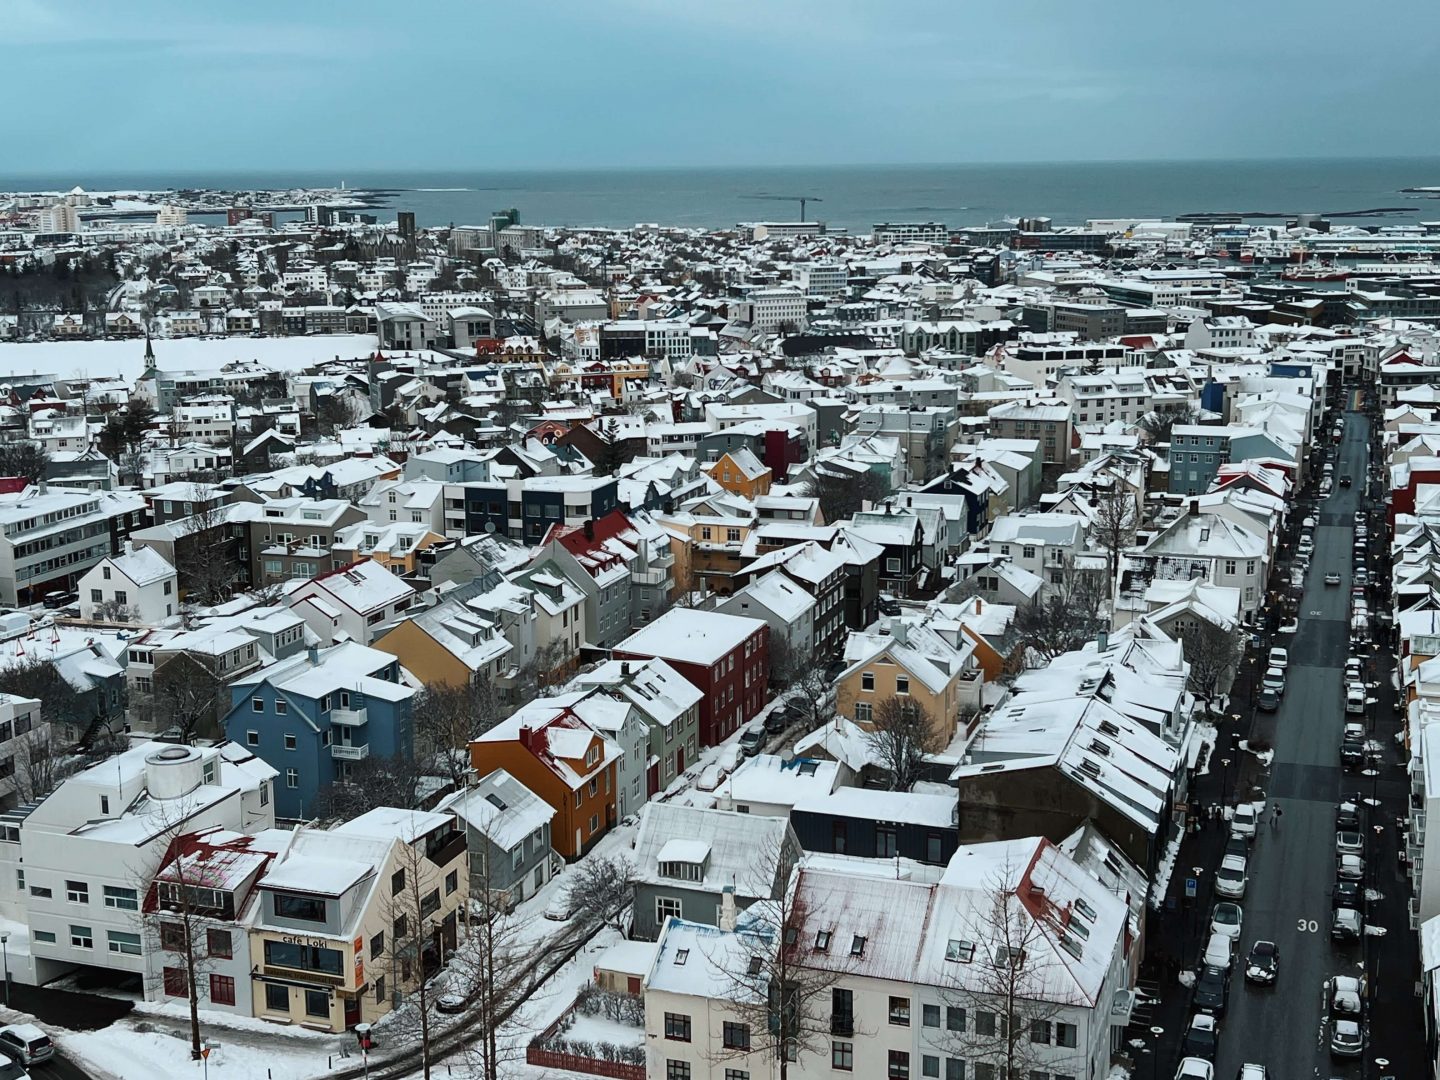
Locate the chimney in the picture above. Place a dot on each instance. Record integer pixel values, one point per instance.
(727, 908)
(1102, 640)
(1194, 507)
(589, 528)
(624, 669)
(899, 630)
(526, 734)
(979, 605)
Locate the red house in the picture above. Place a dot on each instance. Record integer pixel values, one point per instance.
(725, 657)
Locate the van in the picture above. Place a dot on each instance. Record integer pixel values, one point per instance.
(1243, 821)
(1355, 699)
(752, 740)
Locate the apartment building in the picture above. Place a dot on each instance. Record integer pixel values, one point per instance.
(50, 536)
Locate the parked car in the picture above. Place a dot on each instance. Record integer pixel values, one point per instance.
(1243, 821)
(1355, 699)
(1347, 815)
(10, 1069)
(1354, 670)
(1263, 964)
(1350, 868)
(1346, 924)
(752, 740)
(26, 1043)
(1349, 842)
(1267, 700)
(1219, 951)
(1274, 680)
(1279, 658)
(1212, 989)
(1347, 894)
(1194, 1068)
(1201, 1037)
(1362, 575)
(561, 906)
(1237, 845)
(450, 1003)
(1332, 578)
(1227, 918)
(1230, 878)
(1253, 1072)
(1347, 1039)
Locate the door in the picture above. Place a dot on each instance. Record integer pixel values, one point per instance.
(632, 984)
(352, 1011)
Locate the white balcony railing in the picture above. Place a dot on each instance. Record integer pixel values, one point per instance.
(349, 753)
(349, 717)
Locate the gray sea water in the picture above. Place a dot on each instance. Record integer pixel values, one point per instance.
(852, 197)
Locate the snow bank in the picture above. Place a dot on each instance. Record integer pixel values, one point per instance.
(123, 1051)
(1161, 884)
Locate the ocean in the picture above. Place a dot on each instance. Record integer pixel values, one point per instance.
(849, 197)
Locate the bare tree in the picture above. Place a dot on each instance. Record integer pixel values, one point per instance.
(491, 971)
(783, 1003)
(114, 611)
(40, 764)
(599, 890)
(843, 497)
(207, 564)
(1157, 424)
(1062, 619)
(811, 691)
(188, 694)
(23, 457)
(65, 707)
(371, 782)
(415, 948)
(1212, 653)
(1116, 518)
(447, 718)
(1000, 1012)
(900, 735)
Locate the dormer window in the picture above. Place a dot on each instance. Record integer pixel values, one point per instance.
(592, 756)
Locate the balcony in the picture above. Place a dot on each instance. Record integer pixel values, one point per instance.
(652, 578)
(349, 753)
(350, 717)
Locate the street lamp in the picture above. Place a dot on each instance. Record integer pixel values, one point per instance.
(1155, 1031)
(1225, 782)
(5, 952)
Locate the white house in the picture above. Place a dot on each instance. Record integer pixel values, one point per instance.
(355, 601)
(785, 606)
(139, 587)
(24, 738)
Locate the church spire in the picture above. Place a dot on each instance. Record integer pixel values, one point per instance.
(149, 350)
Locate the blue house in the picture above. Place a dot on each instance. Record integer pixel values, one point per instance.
(314, 715)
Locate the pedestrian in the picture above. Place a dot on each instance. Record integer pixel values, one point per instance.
(1275, 815)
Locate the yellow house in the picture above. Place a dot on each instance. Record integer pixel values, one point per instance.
(347, 918)
(708, 543)
(915, 664)
(449, 645)
(741, 473)
(396, 545)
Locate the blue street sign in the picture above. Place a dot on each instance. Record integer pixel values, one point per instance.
(1192, 887)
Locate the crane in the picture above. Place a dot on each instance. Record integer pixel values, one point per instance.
(801, 199)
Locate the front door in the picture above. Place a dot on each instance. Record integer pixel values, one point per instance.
(352, 1011)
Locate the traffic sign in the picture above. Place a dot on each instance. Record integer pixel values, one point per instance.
(1192, 886)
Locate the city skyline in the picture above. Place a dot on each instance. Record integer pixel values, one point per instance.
(640, 84)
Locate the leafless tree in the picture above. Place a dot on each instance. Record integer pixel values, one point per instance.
(447, 718)
(1116, 518)
(371, 782)
(784, 1003)
(187, 693)
(1061, 619)
(206, 561)
(599, 890)
(23, 457)
(810, 690)
(40, 764)
(843, 497)
(1212, 653)
(415, 947)
(491, 970)
(900, 735)
(999, 1011)
(114, 611)
(1157, 424)
(64, 707)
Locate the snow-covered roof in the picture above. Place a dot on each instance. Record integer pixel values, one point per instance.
(743, 850)
(689, 636)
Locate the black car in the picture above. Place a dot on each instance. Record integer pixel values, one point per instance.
(1268, 700)
(1347, 817)
(1345, 480)
(1263, 964)
(777, 720)
(1211, 990)
(59, 600)
(1352, 753)
(1348, 894)
(1201, 1037)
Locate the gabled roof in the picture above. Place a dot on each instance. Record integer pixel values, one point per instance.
(742, 850)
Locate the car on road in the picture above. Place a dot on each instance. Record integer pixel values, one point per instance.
(752, 740)
(1347, 894)
(1325, 487)
(1346, 480)
(561, 905)
(1332, 578)
(12, 1070)
(1267, 700)
(1346, 924)
(1201, 1037)
(1350, 868)
(1262, 965)
(1219, 951)
(1194, 1068)
(1243, 821)
(1362, 575)
(1355, 699)
(1359, 517)
(1236, 845)
(1227, 918)
(1362, 532)
(1252, 1072)
(1230, 878)
(1354, 670)
(1306, 547)
(450, 1004)
(778, 719)
(1278, 658)
(1212, 989)
(1346, 1037)
(26, 1043)
(1349, 842)
(1274, 679)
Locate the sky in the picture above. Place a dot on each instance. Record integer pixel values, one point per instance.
(435, 84)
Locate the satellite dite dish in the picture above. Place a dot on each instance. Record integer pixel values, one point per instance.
(489, 526)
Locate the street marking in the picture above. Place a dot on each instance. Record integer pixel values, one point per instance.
(1307, 926)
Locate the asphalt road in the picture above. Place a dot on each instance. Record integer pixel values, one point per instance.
(1292, 865)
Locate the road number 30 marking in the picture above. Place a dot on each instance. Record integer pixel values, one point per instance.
(1307, 926)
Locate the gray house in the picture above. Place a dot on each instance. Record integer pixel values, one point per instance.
(507, 834)
(686, 857)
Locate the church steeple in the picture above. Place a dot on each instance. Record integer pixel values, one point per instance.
(149, 350)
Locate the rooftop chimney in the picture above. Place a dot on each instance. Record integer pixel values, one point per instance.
(624, 669)
(526, 734)
(1102, 640)
(1194, 507)
(727, 908)
(589, 528)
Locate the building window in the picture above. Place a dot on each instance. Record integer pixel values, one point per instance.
(867, 680)
(301, 908)
(864, 712)
(902, 684)
(899, 1065)
(900, 1011)
(77, 892)
(257, 704)
(892, 566)
(885, 842)
(929, 1065)
(667, 907)
(1066, 1035)
(290, 741)
(954, 1069)
(317, 1003)
(81, 937)
(175, 984)
(677, 1070)
(985, 1024)
(842, 1056)
(930, 1016)
(252, 738)
(954, 1018)
(122, 942)
(172, 936)
(217, 944)
(736, 1036)
(222, 990)
(677, 1027)
(277, 998)
(1040, 1032)
(292, 778)
(452, 882)
(736, 1074)
(46, 936)
(397, 882)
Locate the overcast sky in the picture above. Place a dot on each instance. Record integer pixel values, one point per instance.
(164, 84)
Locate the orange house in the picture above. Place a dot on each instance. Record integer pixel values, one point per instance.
(563, 760)
(740, 472)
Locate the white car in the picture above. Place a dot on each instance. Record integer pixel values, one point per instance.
(26, 1043)
(1279, 658)
(1243, 821)
(1227, 919)
(1219, 951)
(1193, 1068)
(1230, 879)
(1355, 699)
(1253, 1072)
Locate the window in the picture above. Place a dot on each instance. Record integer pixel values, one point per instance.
(822, 941)
(121, 942)
(899, 1010)
(77, 892)
(864, 712)
(594, 824)
(1040, 1031)
(1027, 552)
(397, 882)
(842, 1056)
(736, 1036)
(172, 936)
(380, 989)
(892, 566)
(984, 1070)
(290, 740)
(667, 907)
(452, 882)
(677, 1070)
(96, 596)
(257, 704)
(317, 1003)
(175, 985)
(867, 680)
(736, 1074)
(902, 684)
(677, 1027)
(985, 1025)
(929, 1065)
(899, 1065)
(222, 990)
(885, 841)
(1066, 1035)
(930, 1015)
(292, 778)
(217, 944)
(960, 951)
(81, 937)
(304, 908)
(954, 1069)
(377, 945)
(252, 738)
(46, 936)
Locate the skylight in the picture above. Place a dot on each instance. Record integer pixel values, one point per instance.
(962, 952)
(857, 946)
(681, 955)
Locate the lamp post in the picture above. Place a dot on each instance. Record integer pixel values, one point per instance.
(5, 952)
(1225, 782)
(1155, 1033)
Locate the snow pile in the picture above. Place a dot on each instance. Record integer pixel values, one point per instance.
(1207, 733)
(1186, 979)
(1375, 931)
(124, 1050)
(1161, 884)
